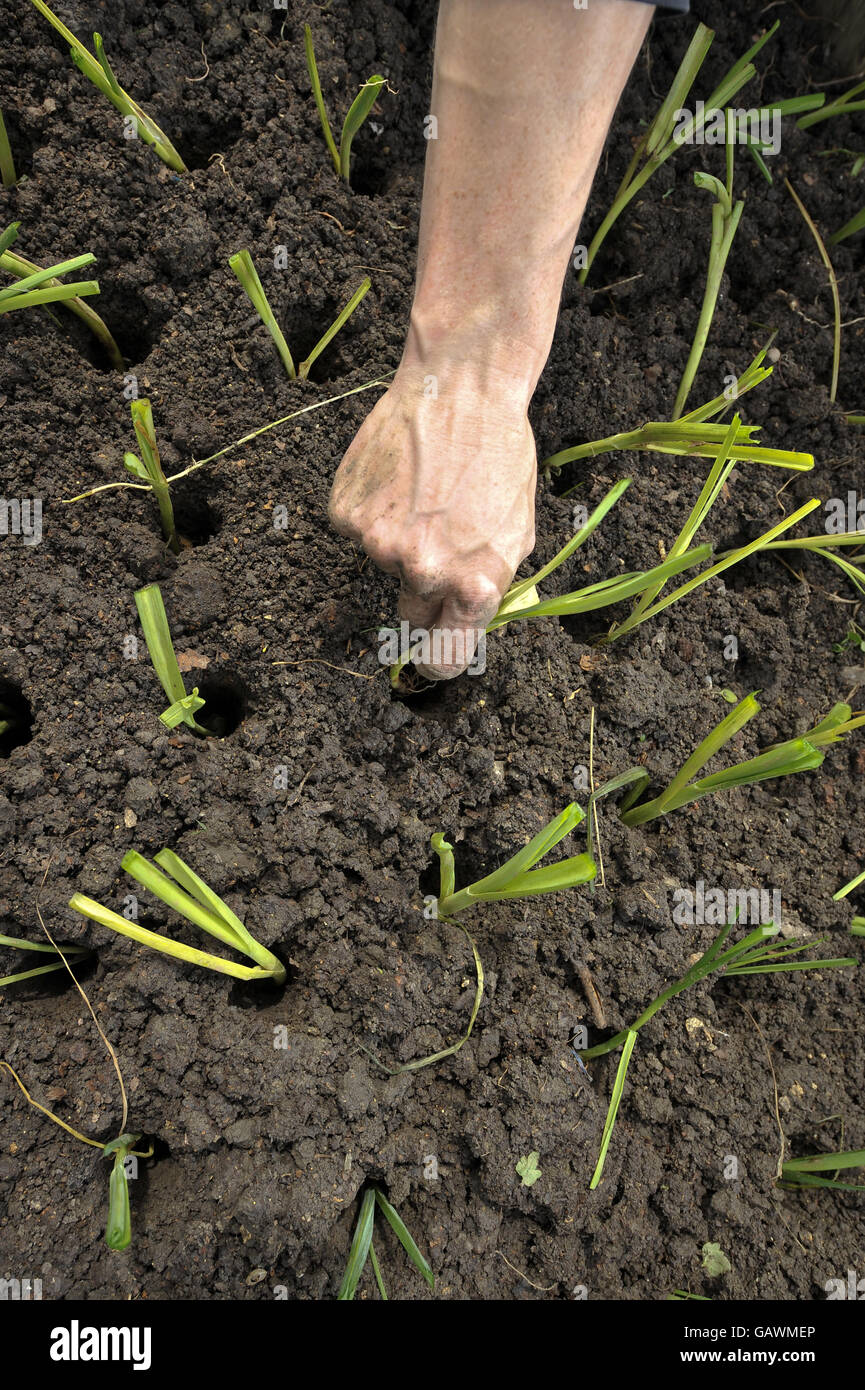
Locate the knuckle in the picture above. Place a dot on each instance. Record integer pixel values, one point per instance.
(477, 595)
(381, 545)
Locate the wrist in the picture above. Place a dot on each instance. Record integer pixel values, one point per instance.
(483, 342)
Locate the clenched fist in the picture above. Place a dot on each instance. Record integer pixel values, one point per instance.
(438, 487)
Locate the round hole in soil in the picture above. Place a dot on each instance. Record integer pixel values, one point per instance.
(563, 479)
(16, 718)
(262, 994)
(161, 1150)
(23, 145)
(415, 690)
(210, 138)
(429, 880)
(195, 519)
(283, 29)
(304, 331)
(49, 986)
(751, 571)
(135, 323)
(225, 701)
(370, 174)
(585, 628)
(373, 1179)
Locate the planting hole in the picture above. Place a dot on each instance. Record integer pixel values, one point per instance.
(583, 628)
(750, 572)
(304, 331)
(195, 519)
(373, 1179)
(283, 29)
(16, 718)
(563, 479)
(424, 697)
(224, 696)
(23, 145)
(262, 995)
(49, 986)
(134, 322)
(211, 138)
(161, 1150)
(429, 880)
(371, 174)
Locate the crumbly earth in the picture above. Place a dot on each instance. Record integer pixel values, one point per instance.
(313, 815)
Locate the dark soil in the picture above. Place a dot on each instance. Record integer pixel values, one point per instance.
(313, 817)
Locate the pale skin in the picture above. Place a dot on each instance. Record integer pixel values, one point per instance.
(438, 485)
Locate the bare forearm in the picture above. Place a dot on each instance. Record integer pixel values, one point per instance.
(523, 94)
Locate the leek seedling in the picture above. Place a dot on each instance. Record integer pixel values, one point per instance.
(190, 896)
(523, 601)
(693, 435)
(792, 106)
(689, 436)
(23, 269)
(825, 546)
(857, 925)
(841, 106)
(848, 887)
(241, 264)
(647, 608)
(518, 877)
(728, 445)
(100, 73)
(648, 603)
(157, 635)
(118, 1232)
(750, 956)
(725, 220)
(804, 1172)
(670, 130)
(613, 1110)
(856, 224)
(779, 760)
(17, 943)
(362, 1246)
(42, 286)
(149, 468)
(7, 164)
(236, 443)
(357, 112)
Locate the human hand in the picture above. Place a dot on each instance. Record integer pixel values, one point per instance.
(438, 486)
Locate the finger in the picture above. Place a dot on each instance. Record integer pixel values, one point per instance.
(418, 610)
(458, 640)
(449, 650)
